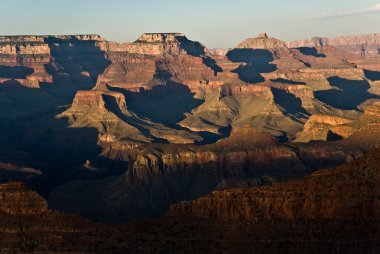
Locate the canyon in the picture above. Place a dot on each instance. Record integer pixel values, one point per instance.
(161, 132)
(332, 210)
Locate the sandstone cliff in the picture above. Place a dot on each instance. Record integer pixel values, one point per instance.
(346, 193)
(363, 45)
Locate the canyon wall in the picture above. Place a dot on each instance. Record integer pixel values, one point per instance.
(363, 45)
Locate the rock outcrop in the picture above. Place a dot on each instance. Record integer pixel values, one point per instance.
(96, 107)
(160, 175)
(330, 128)
(346, 193)
(262, 42)
(320, 128)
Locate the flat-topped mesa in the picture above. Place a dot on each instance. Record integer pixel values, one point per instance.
(23, 45)
(79, 37)
(38, 44)
(42, 38)
(21, 38)
(263, 92)
(96, 100)
(161, 38)
(160, 43)
(262, 42)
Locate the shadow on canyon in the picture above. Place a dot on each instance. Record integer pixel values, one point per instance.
(198, 50)
(287, 81)
(311, 52)
(372, 75)
(29, 115)
(347, 95)
(112, 105)
(290, 103)
(165, 104)
(50, 144)
(77, 65)
(256, 61)
(15, 72)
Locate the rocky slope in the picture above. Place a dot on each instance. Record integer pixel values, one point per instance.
(346, 193)
(164, 174)
(147, 114)
(332, 210)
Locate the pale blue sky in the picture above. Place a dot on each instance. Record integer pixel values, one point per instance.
(216, 23)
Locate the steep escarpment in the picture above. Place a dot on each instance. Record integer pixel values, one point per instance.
(15, 198)
(339, 203)
(363, 45)
(23, 59)
(161, 175)
(27, 225)
(164, 174)
(346, 193)
(163, 56)
(96, 107)
(54, 66)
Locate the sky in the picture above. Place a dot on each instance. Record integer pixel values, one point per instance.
(215, 23)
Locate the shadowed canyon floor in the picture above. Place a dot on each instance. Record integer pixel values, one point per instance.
(117, 132)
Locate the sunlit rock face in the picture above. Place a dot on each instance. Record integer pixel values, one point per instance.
(363, 45)
(262, 42)
(170, 120)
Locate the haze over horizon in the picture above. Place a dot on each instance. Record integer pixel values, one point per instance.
(221, 23)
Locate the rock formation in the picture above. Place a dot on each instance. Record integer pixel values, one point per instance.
(325, 127)
(346, 193)
(262, 42)
(168, 120)
(363, 45)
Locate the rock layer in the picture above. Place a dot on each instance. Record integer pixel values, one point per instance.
(363, 45)
(347, 193)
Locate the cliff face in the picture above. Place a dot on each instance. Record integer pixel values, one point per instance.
(99, 101)
(160, 175)
(15, 198)
(183, 83)
(49, 231)
(345, 193)
(38, 60)
(363, 45)
(154, 59)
